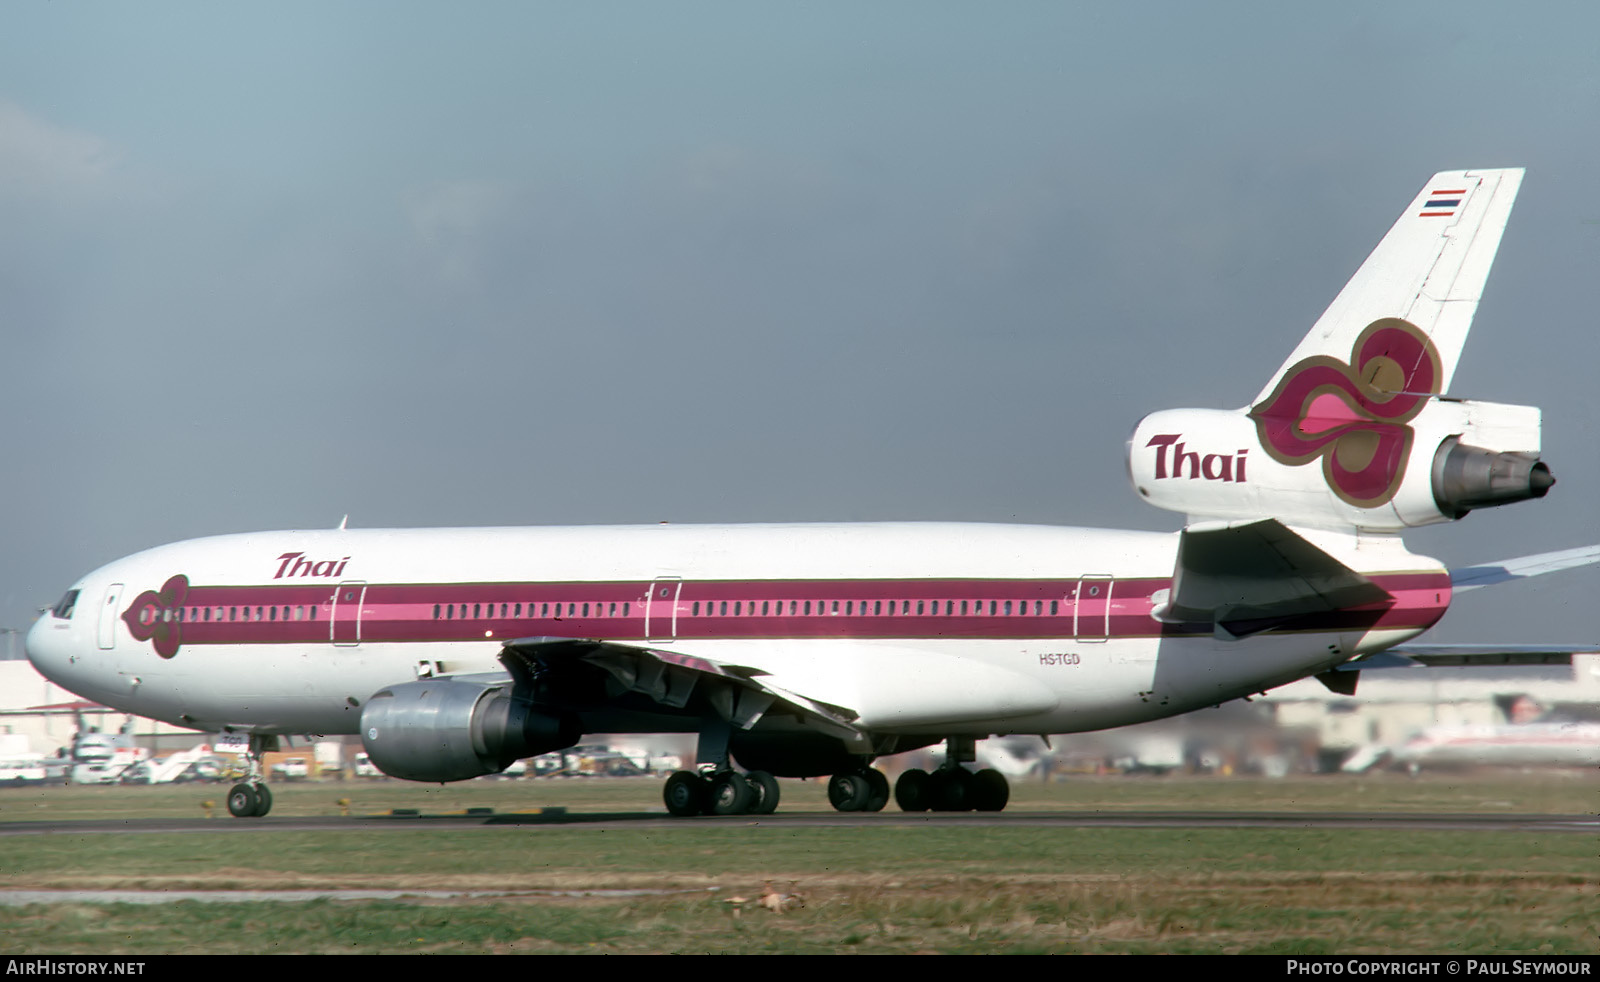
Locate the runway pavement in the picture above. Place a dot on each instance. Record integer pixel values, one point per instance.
(532, 822)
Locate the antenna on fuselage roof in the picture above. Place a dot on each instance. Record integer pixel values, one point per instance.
(342, 522)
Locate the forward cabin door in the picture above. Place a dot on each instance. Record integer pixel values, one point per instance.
(108, 617)
(345, 622)
(661, 608)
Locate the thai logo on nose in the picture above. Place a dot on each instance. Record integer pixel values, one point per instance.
(157, 615)
(1353, 416)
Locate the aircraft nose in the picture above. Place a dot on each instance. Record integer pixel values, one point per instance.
(48, 648)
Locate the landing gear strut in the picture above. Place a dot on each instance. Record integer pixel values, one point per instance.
(252, 798)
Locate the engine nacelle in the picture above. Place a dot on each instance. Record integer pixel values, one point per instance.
(1332, 468)
(1466, 477)
(454, 729)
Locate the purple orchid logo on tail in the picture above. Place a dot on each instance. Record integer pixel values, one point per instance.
(156, 615)
(1353, 416)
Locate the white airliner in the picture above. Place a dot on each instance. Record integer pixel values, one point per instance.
(810, 650)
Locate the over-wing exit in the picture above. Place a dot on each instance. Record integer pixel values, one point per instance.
(813, 650)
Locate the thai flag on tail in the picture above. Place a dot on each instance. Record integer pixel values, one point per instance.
(1443, 202)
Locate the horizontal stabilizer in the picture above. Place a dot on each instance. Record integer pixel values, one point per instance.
(1490, 574)
(1481, 655)
(1250, 577)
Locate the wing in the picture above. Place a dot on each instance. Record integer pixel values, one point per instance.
(737, 693)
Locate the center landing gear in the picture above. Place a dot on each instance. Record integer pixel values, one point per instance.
(251, 798)
(953, 788)
(725, 792)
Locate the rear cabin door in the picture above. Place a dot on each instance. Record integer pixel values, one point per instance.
(1091, 611)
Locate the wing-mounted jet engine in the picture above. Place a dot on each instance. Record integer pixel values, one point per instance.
(452, 729)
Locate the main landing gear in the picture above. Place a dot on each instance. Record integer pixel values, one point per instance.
(251, 798)
(861, 790)
(725, 792)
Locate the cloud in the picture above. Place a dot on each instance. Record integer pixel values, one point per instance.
(38, 158)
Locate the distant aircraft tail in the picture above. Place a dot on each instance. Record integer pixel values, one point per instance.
(1351, 432)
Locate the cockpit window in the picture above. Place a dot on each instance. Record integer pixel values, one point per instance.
(63, 609)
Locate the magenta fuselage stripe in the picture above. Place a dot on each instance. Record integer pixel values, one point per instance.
(755, 609)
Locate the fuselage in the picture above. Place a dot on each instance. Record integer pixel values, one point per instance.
(915, 628)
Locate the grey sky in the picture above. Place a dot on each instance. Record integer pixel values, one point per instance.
(556, 263)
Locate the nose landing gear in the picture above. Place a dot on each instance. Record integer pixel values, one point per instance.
(251, 798)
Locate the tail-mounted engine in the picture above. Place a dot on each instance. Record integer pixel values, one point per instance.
(1329, 467)
(454, 729)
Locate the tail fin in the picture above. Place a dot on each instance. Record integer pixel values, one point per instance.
(1358, 400)
(1428, 272)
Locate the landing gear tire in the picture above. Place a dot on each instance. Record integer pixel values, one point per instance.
(242, 801)
(765, 788)
(913, 792)
(684, 794)
(879, 795)
(990, 791)
(849, 792)
(263, 800)
(730, 794)
(951, 790)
